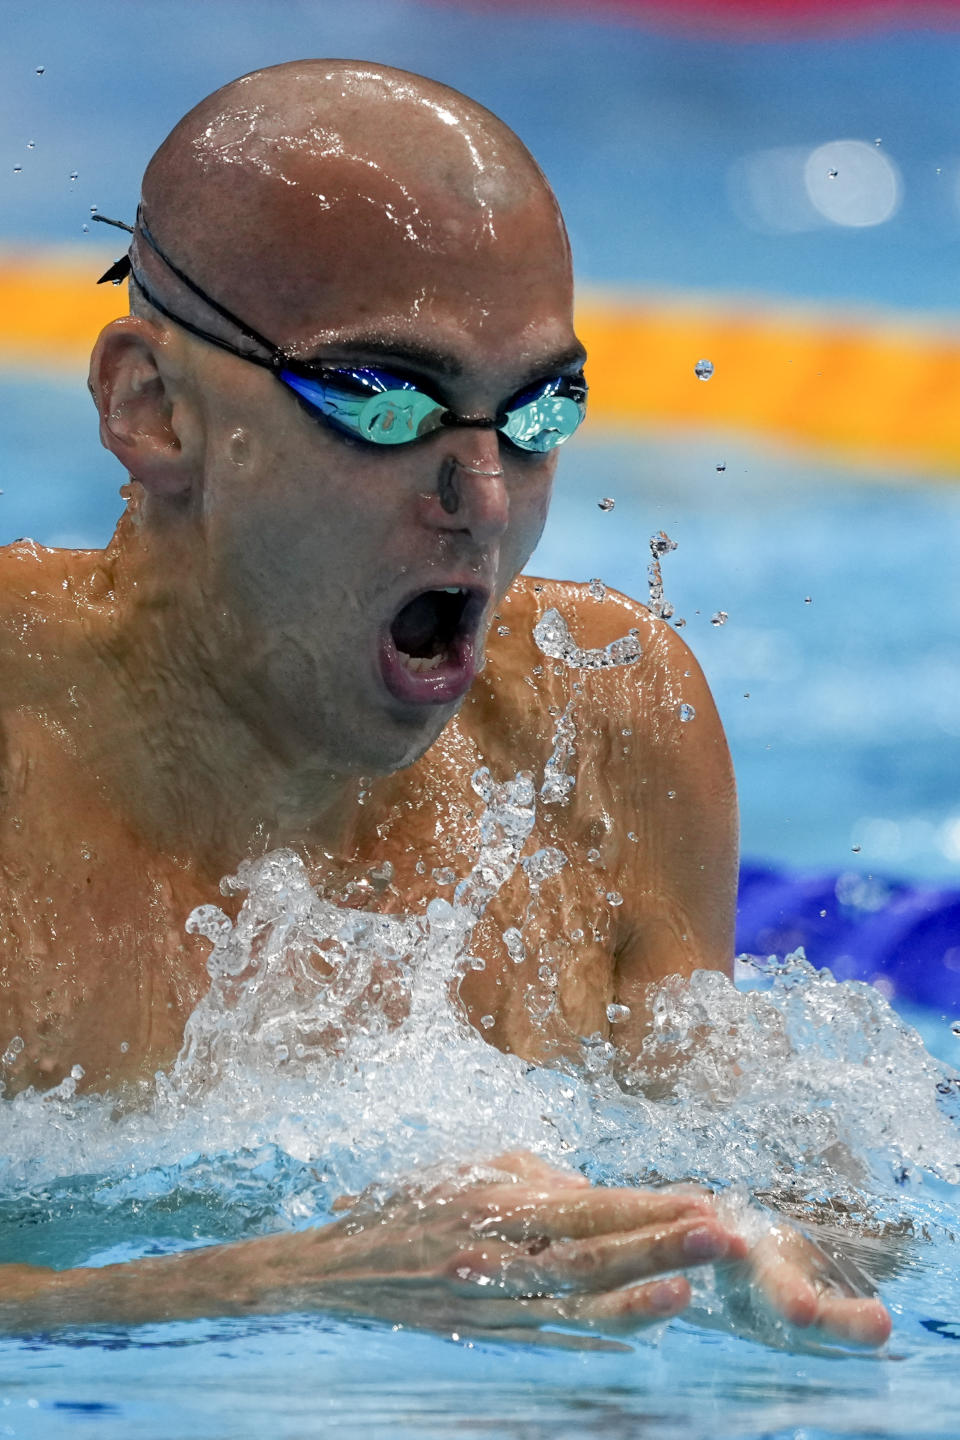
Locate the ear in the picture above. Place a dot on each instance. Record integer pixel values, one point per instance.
(146, 419)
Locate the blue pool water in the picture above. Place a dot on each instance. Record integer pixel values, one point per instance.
(832, 737)
(837, 674)
(843, 711)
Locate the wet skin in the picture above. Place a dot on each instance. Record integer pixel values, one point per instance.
(214, 685)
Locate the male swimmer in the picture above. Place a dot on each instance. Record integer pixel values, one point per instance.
(349, 362)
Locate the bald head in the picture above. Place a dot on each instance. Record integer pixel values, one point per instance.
(293, 192)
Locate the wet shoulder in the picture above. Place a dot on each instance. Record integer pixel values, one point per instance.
(565, 625)
(550, 636)
(42, 591)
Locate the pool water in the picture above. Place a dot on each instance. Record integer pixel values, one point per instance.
(250, 1132)
(838, 705)
(836, 671)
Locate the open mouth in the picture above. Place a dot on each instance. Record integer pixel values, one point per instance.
(428, 656)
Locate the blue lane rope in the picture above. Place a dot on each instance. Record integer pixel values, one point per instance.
(908, 935)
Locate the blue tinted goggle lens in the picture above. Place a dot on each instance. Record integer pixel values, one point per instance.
(383, 409)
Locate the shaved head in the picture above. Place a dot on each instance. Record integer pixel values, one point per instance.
(282, 191)
(360, 218)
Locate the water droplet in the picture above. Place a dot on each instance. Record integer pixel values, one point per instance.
(680, 622)
(31, 144)
(878, 141)
(703, 369)
(74, 175)
(832, 174)
(808, 599)
(719, 617)
(381, 875)
(576, 935)
(597, 589)
(476, 962)
(686, 712)
(616, 1013)
(593, 856)
(124, 1046)
(487, 1021)
(746, 694)
(210, 922)
(626, 730)
(720, 469)
(420, 868)
(40, 69)
(503, 629)
(445, 876)
(14, 1049)
(85, 229)
(77, 1072)
(671, 794)
(661, 544)
(632, 835)
(856, 849)
(17, 169)
(606, 503)
(823, 914)
(93, 209)
(955, 1027)
(513, 940)
(614, 897)
(238, 448)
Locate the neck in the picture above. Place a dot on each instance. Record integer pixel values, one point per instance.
(189, 760)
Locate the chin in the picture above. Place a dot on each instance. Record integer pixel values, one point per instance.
(399, 746)
(375, 746)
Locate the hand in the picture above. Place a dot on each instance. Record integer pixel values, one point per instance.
(503, 1251)
(511, 1247)
(821, 1293)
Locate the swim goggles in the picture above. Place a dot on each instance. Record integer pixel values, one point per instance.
(372, 405)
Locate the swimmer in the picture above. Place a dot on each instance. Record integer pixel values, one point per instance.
(339, 395)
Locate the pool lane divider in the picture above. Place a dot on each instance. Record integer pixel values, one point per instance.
(873, 391)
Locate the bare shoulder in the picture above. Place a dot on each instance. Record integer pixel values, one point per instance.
(42, 586)
(612, 644)
(45, 594)
(616, 696)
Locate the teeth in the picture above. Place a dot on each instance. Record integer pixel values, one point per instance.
(420, 663)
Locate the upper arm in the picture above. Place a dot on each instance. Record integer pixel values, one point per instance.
(678, 874)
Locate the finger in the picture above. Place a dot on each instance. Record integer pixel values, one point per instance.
(608, 1261)
(577, 1215)
(621, 1311)
(634, 1307)
(854, 1321)
(787, 1287)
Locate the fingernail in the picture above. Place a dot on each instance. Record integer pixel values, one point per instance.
(665, 1296)
(704, 1244)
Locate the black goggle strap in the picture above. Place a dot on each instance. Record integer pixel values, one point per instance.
(124, 267)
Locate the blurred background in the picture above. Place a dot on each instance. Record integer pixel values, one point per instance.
(773, 188)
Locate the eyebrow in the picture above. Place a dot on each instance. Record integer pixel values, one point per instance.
(440, 362)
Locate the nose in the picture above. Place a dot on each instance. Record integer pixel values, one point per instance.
(471, 493)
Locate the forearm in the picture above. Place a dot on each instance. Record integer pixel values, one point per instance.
(249, 1277)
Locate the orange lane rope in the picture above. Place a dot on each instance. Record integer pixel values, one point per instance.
(879, 392)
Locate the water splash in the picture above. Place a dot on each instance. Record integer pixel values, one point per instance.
(553, 638)
(332, 1052)
(660, 545)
